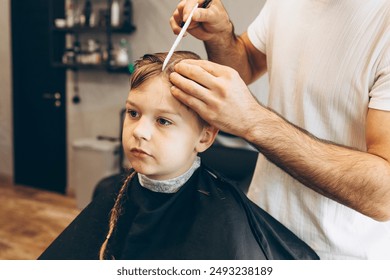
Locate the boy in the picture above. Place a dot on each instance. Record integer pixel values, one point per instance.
(171, 206)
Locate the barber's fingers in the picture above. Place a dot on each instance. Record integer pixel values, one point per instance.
(190, 100)
(176, 19)
(213, 90)
(224, 84)
(187, 66)
(193, 97)
(205, 14)
(200, 87)
(181, 14)
(188, 5)
(211, 75)
(194, 73)
(191, 87)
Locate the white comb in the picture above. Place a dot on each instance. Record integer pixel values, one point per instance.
(179, 37)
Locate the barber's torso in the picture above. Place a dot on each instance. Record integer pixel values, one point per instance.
(323, 59)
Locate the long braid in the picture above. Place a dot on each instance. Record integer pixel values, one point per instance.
(115, 213)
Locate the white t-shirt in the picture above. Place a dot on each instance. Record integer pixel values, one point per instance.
(328, 62)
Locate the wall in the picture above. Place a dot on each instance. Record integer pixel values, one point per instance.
(6, 132)
(103, 94)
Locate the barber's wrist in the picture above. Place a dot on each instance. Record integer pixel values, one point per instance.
(222, 38)
(259, 124)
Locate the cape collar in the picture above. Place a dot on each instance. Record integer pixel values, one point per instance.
(170, 185)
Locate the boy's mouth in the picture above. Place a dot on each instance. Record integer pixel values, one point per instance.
(139, 153)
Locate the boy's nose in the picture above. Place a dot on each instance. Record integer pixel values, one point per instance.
(143, 129)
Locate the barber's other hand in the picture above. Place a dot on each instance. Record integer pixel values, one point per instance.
(206, 24)
(217, 93)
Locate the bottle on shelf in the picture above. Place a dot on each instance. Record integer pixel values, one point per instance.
(122, 57)
(115, 13)
(128, 14)
(93, 55)
(69, 14)
(69, 56)
(88, 12)
(76, 51)
(110, 55)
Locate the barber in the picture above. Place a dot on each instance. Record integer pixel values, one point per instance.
(324, 136)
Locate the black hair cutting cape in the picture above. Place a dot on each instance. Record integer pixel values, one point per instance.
(208, 218)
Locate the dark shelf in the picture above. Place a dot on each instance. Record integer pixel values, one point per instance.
(97, 29)
(123, 29)
(80, 29)
(104, 67)
(118, 69)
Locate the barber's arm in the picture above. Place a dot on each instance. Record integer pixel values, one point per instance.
(360, 180)
(212, 25)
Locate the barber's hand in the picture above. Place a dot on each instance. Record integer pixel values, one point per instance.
(206, 23)
(217, 93)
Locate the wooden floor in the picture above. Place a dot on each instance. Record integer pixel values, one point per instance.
(30, 219)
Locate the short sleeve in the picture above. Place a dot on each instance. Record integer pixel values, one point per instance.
(380, 92)
(258, 29)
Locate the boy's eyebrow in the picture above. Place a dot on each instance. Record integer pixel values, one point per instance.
(159, 110)
(131, 103)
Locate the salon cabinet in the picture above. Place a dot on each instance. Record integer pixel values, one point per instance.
(94, 36)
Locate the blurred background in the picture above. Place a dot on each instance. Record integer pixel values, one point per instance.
(64, 78)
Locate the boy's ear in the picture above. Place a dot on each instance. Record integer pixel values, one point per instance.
(207, 138)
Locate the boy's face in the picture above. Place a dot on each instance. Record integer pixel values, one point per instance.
(161, 137)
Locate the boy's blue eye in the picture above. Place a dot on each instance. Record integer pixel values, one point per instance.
(132, 113)
(163, 122)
